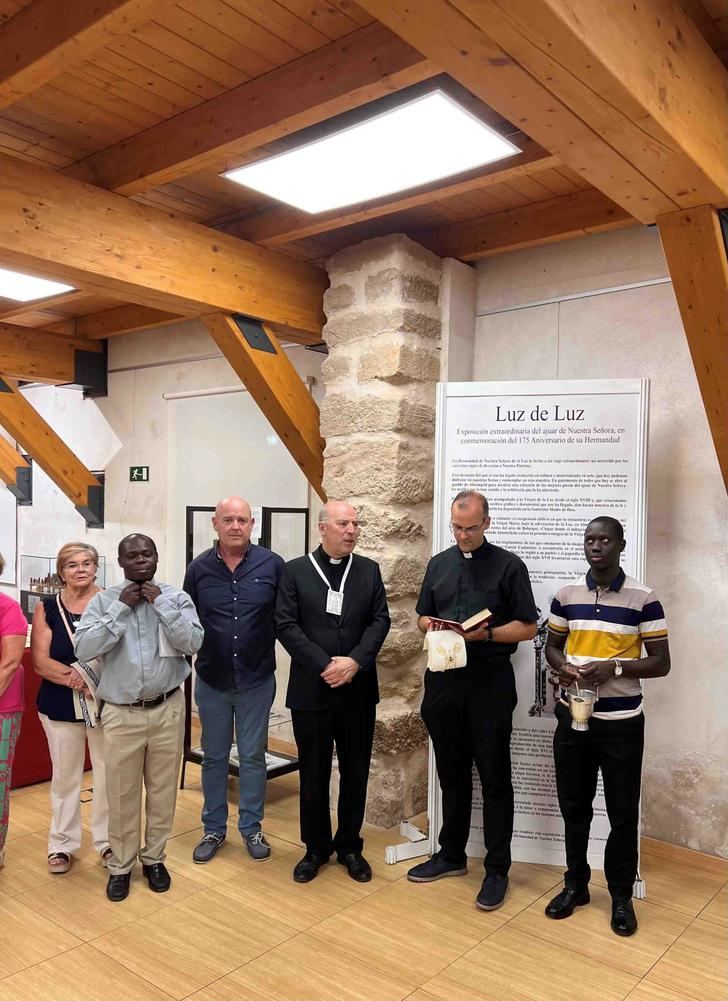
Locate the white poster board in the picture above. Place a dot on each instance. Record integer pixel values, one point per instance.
(549, 456)
(8, 535)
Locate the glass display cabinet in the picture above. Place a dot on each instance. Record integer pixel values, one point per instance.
(38, 580)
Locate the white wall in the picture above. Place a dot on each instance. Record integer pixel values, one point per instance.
(633, 333)
(134, 425)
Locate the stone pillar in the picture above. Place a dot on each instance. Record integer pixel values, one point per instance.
(378, 418)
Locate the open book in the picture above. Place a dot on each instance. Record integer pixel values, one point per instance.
(462, 627)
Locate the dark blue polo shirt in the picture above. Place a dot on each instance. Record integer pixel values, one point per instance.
(236, 609)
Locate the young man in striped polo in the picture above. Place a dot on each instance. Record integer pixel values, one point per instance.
(599, 628)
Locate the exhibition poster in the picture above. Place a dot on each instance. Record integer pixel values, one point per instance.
(549, 456)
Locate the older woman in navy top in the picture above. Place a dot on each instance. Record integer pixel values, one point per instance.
(54, 622)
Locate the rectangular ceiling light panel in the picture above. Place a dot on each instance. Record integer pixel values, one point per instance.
(422, 141)
(26, 288)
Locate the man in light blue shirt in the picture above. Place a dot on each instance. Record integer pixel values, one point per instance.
(143, 631)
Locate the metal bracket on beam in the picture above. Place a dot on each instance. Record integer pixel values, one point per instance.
(253, 332)
(93, 512)
(22, 489)
(90, 371)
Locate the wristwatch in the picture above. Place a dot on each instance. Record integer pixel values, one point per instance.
(489, 635)
(617, 668)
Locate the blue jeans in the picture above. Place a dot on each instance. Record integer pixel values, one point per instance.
(248, 711)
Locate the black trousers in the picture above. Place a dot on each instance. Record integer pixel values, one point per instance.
(351, 729)
(468, 714)
(616, 747)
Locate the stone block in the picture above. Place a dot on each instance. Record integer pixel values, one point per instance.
(335, 366)
(355, 325)
(398, 730)
(397, 362)
(381, 525)
(394, 470)
(401, 286)
(402, 575)
(399, 647)
(338, 297)
(397, 250)
(342, 414)
(397, 787)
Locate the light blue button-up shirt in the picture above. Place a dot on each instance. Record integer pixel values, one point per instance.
(128, 639)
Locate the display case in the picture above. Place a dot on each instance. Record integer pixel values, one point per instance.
(38, 580)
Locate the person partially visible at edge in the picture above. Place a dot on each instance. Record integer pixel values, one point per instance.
(468, 711)
(54, 623)
(144, 630)
(13, 634)
(233, 586)
(332, 618)
(607, 631)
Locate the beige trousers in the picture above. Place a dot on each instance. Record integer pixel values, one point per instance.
(142, 745)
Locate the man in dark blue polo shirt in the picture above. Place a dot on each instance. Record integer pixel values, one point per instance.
(233, 586)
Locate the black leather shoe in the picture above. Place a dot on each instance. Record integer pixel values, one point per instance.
(358, 867)
(307, 869)
(624, 919)
(564, 903)
(157, 876)
(117, 887)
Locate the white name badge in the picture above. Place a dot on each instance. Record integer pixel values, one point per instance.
(334, 599)
(334, 602)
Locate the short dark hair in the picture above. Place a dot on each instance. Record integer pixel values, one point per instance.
(466, 495)
(136, 535)
(613, 523)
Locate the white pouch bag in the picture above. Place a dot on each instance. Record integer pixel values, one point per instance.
(445, 650)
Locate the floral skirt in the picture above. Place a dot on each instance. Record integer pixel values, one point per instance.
(9, 731)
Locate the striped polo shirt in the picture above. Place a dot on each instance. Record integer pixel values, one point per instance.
(603, 623)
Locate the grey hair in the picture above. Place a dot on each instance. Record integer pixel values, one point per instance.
(323, 514)
(466, 495)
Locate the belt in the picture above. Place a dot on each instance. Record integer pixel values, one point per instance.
(156, 700)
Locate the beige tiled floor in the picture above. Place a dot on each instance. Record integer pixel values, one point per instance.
(237, 929)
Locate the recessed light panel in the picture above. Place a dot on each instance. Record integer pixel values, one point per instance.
(25, 288)
(426, 139)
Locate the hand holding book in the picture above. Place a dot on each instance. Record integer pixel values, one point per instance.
(470, 629)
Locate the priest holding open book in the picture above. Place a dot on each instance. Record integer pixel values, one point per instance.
(475, 606)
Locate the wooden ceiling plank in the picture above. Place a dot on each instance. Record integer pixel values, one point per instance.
(51, 453)
(354, 11)
(37, 356)
(45, 38)
(177, 74)
(279, 21)
(189, 51)
(331, 21)
(279, 391)
(14, 470)
(444, 34)
(133, 252)
(281, 225)
(661, 103)
(696, 256)
(11, 309)
(542, 222)
(343, 74)
(232, 37)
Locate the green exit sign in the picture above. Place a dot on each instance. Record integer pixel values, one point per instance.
(139, 474)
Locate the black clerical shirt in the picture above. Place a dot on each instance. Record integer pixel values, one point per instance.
(457, 586)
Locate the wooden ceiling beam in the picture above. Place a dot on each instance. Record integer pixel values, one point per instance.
(47, 38)
(140, 254)
(351, 71)
(471, 56)
(54, 457)
(272, 380)
(125, 319)
(14, 471)
(281, 225)
(696, 256)
(640, 75)
(561, 218)
(37, 356)
(11, 309)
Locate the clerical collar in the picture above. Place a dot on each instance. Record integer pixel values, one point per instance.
(475, 554)
(329, 559)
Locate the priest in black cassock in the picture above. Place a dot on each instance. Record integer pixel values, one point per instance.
(332, 618)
